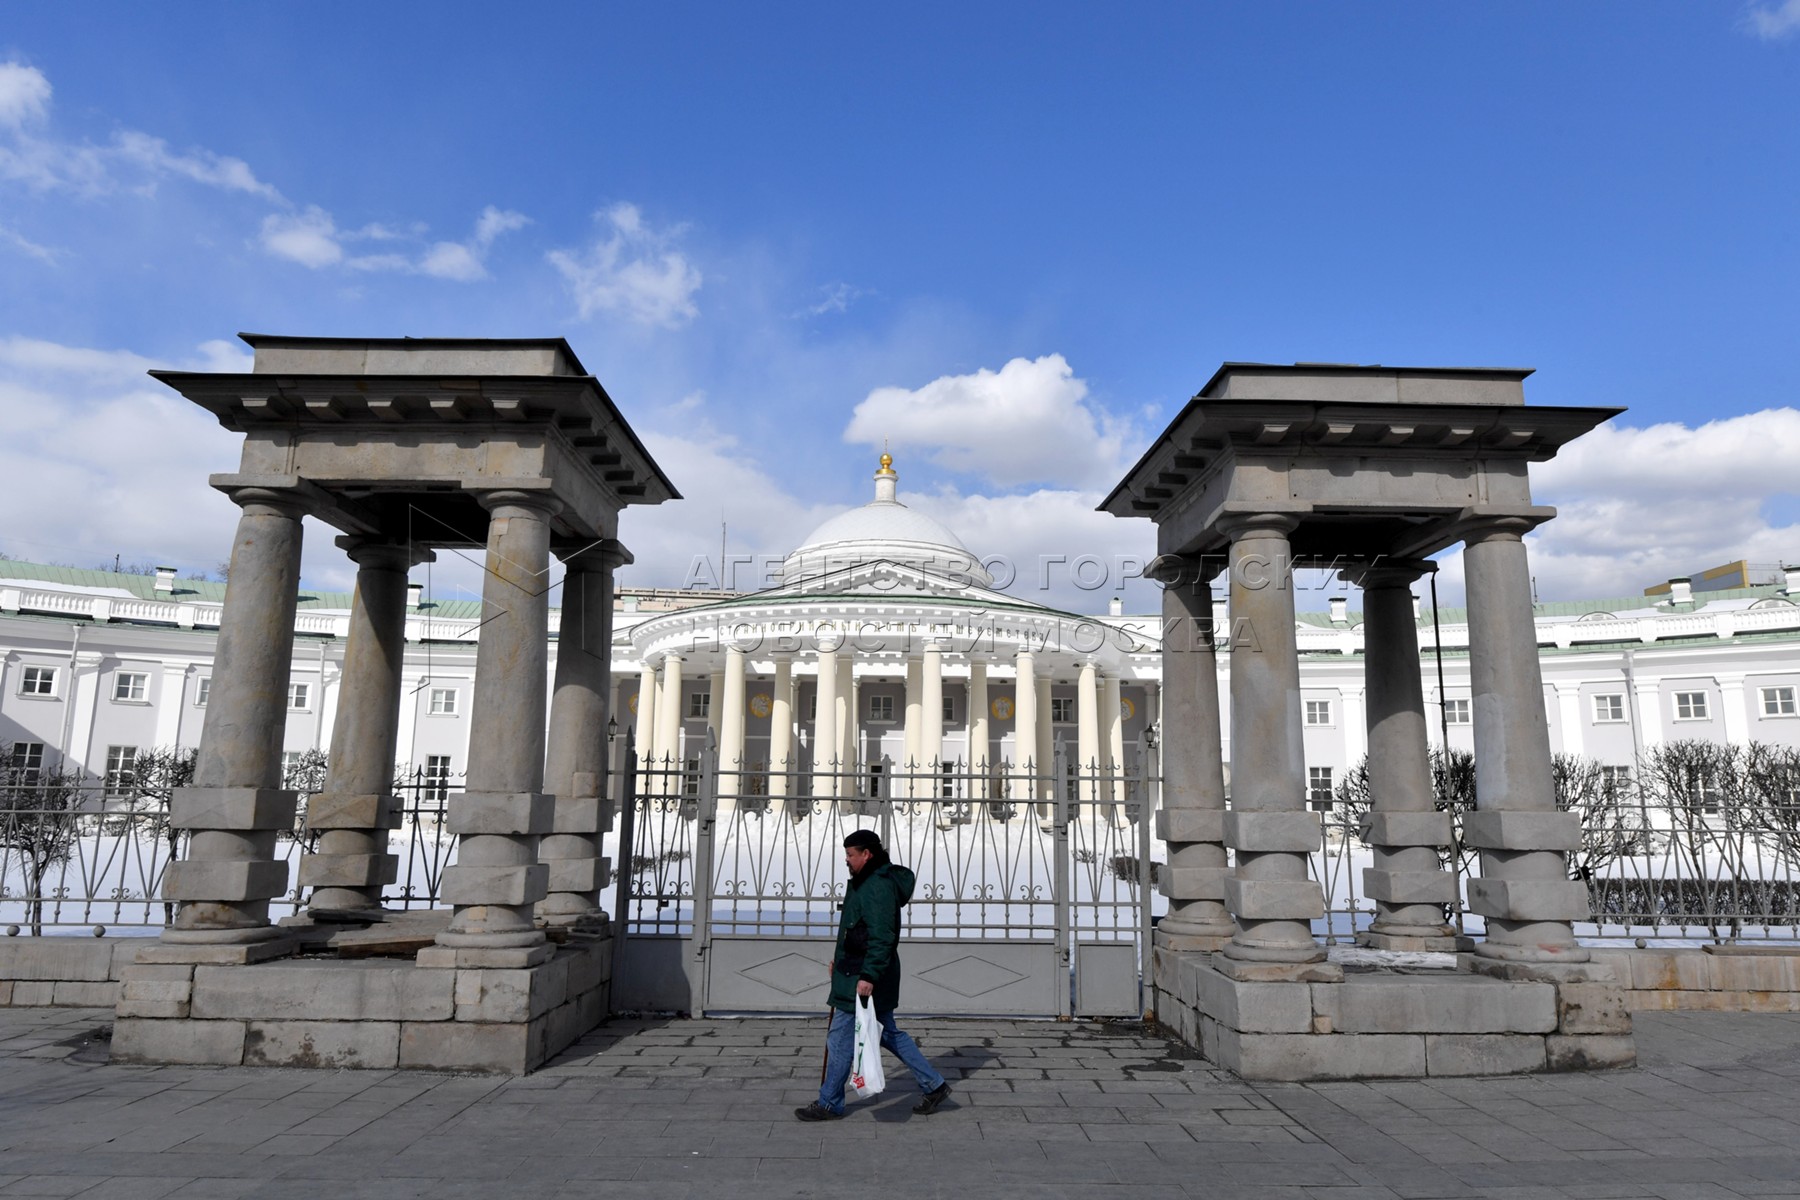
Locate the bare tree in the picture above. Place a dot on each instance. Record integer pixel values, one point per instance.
(40, 825)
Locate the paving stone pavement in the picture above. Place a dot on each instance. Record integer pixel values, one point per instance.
(656, 1108)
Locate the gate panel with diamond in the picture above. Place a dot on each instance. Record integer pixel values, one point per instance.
(1022, 880)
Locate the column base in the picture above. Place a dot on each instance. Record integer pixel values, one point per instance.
(1445, 942)
(1518, 952)
(241, 936)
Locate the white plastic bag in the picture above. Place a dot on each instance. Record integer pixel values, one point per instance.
(866, 1076)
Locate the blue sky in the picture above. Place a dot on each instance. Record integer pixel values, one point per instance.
(1012, 238)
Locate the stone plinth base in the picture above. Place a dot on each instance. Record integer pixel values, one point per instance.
(1388, 1023)
(379, 1012)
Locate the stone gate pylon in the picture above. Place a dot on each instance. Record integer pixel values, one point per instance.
(1366, 471)
(506, 449)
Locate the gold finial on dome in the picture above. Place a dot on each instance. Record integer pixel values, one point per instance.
(887, 463)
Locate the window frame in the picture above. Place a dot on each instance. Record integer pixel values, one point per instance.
(1775, 693)
(120, 773)
(38, 673)
(131, 687)
(949, 707)
(1311, 708)
(202, 691)
(1615, 713)
(300, 690)
(448, 708)
(1459, 710)
(1702, 712)
(1064, 705)
(436, 779)
(26, 761)
(1313, 777)
(699, 706)
(881, 710)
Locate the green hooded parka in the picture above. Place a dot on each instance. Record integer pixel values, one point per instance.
(868, 941)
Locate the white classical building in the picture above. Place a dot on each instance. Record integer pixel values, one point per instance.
(885, 643)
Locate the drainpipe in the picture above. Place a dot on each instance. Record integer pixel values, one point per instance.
(68, 732)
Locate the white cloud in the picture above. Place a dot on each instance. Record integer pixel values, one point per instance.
(312, 239)
(1636, 506)
(634, 271)
(201, 166)
(24, 94)
(26, 246)
(309, 238)
(1773, 22)
(101, 460)
(1026, 423)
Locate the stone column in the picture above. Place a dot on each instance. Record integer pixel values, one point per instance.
(915, 728)
(1025, 727)
(1408, 882)
(1192, 819)
(980, 757)
(224, 881)
(1268, 829)
(645, 741)
(575, 767)
(931, 706)
(497, 877)
(1524, 892)
(1046, 739)
(731, 716)
(357, 808)
(846, 708)
(668, 727)
(1087, 731)
(1112, 745)
(825, 729)
(781, 726)
(715, 712)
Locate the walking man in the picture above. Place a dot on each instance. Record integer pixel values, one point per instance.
(867, 963)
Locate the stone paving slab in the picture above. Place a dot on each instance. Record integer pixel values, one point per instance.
(664, 1108)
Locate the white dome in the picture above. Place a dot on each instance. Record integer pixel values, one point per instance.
(883, 521)
(883, 529)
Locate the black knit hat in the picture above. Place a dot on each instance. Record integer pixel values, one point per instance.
(863, 839)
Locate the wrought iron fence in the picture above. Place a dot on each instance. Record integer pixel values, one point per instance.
(999, 852)
(82, 854)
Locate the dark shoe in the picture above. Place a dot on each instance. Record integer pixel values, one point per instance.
(929, 1102)
(818, 1112)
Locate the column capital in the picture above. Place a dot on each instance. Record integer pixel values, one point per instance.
(282, 502)
(1385, 573)
(383, 553)
(1494, 527)
(537, 500)
(1239, 526)
(1184, 570)
(601, 554)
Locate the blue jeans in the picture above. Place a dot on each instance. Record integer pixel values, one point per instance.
(841, 1042)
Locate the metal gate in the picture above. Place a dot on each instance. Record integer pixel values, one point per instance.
(1032, 895)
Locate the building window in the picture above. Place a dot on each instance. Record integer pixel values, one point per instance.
(1456, 712)
(872, 781)
(38, 681)
(1319, 790)
(443, 702)
(690, 776)
(947, 790)
(881, 708)
(1615, 781)
(130, 686)
(1690, 706)
(202, 691)
(1609, 708)
(27, 762)
(700, 705)
(1778, 702)
(437, 778)
(1318, 712)
(1702, 793)
(121, 769)
(290, 766)
(298, 696)
(1062, 710)
(949, 711)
